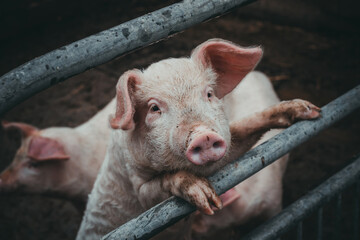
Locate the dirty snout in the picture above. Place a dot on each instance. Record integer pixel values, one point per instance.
(205, 146)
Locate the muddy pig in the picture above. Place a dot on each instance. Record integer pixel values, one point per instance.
(59, 161)
(259, 197)
(170, 131)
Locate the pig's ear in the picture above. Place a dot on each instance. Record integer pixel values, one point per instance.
(125, 102)
(25, 129)
(43, 148)
(230, 62)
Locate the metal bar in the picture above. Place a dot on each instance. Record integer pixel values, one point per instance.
(337, 228)
(356, 210)
(299, 231)
(319, 223)
(173, 209)
(60, 64)
(307, 204)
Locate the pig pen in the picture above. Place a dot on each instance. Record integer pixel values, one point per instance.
(316, 64)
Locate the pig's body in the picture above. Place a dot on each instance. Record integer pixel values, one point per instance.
(171, 130)
(260, 196)
(72, 175)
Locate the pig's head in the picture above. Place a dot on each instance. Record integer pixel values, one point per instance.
(174, 111)
(35, 162)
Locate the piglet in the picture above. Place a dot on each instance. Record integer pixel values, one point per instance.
(170, 131)
(60, 161)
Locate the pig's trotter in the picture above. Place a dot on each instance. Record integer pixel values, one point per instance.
(306, 110)
(193, 189)
(298, 109)
(203, 196)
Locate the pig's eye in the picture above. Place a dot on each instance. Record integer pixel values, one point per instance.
(33, 164)
(210, 94)
(155, 108)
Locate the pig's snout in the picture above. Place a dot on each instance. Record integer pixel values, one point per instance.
(206, 147)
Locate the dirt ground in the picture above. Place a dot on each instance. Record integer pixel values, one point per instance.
(314, 65)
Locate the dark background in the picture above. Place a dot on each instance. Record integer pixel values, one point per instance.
(311, 52)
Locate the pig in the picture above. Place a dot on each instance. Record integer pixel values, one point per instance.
(259, 197)
(170, 131)
(58, 161)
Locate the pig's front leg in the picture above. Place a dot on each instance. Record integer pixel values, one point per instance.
(193, 189)
(246, 132)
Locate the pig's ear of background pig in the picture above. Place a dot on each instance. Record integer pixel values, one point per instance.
(43, 148)
(125, 102)
(25, 129)
(231, 62)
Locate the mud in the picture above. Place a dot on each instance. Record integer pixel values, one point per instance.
(314, 65)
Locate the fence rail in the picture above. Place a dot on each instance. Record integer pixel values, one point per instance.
(297, 211)
(60, 64)
(172, 210)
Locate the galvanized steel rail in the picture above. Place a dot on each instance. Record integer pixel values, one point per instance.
(297, 211)
(60, 64)
(170, 211)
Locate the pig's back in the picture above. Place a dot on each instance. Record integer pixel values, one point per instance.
(254, 93)
(100, 121)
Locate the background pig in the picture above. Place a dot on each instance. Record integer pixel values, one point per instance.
(60, 161)
(260, 196)
(170, 131)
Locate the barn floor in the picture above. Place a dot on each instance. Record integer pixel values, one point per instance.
(314, 65)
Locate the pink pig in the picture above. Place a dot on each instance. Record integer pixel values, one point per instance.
(170, 131)
(60, 161)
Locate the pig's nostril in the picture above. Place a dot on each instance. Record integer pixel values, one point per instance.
(197, 150)
(217, 144)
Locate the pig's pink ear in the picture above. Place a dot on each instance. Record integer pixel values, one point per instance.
(43, 148)
(125, 102)
(230, 62)
(25, 129)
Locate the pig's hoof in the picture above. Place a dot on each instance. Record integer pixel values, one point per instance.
(203, 196)
(294, 110)
(199, 192)
(304, 110)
